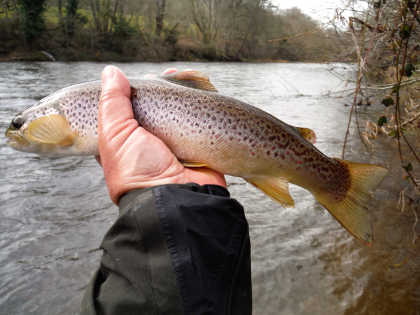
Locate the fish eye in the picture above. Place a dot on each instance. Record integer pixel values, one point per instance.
(18, 122)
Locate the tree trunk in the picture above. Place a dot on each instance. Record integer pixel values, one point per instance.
(160, 15)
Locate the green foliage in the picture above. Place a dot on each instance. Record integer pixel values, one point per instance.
(411, 3)
(123, 29)
(408, 167)
(388, 101)
(71, 14)
(409, 69)
(382, 121)
(32, 21)
(405, 31)
(393, 133)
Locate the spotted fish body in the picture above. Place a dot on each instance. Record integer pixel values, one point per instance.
(204, 128)
(228, 135)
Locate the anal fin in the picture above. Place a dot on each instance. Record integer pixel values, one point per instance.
(193, 164)
(275, 187)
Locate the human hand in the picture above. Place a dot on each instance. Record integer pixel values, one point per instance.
(131, 156)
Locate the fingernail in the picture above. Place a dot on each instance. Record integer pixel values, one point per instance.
(109, 73)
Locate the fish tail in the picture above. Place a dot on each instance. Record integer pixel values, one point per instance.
(350, 208)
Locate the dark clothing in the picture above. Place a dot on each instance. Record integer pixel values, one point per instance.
(175, 249)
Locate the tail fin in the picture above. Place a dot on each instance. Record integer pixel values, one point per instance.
(351, 211)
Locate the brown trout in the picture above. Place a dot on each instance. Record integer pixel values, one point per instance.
(206, 129)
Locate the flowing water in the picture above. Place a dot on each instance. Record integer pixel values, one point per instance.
(54, 212)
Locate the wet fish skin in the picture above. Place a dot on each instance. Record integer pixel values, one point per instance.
(207, 128)
(226, 134)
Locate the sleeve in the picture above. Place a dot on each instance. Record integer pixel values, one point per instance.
(175, 249)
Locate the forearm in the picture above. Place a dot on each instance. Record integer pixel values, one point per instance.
(175, 249)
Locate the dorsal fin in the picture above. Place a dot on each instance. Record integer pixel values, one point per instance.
(190, 78)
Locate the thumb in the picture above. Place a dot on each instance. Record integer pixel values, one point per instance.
(115, 109)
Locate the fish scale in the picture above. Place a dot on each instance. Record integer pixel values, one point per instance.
(212, 119)
(205, 128)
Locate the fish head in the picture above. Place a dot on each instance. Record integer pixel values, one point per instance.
(57, 125)
(15, 134)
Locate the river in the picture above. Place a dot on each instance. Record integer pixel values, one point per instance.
(55, 211)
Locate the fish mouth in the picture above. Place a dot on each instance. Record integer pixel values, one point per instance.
(15, 138)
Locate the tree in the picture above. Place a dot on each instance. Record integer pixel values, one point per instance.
(160, 15)
(31, 19)
(71, 15)
(205, 16)
(105, 14)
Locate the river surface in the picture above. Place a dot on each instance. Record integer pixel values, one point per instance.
(54, 212)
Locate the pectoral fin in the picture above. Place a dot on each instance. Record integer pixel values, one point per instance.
(275, 187)
(190, 78)
(51, 129)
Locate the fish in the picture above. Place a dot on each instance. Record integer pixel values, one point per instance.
(204, 128)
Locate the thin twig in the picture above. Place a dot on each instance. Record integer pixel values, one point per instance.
(410, 120)
(416, 220)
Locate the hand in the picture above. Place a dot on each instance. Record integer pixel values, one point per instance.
(131, 156)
